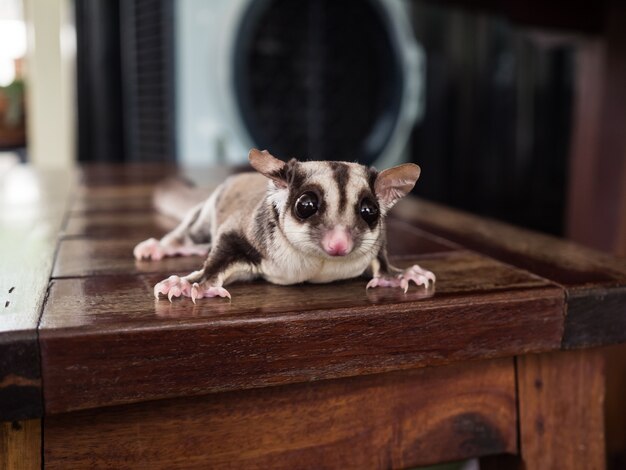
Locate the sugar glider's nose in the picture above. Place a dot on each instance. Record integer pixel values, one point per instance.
(337, 241)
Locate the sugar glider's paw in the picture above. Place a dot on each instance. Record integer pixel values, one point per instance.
(155, 250)
(198, 291)
(149, 249)
(421, 277)
(175, 286)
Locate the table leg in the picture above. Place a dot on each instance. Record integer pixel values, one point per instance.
(561, 410)
(20, 445)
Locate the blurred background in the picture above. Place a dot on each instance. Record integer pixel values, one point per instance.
(514, 109)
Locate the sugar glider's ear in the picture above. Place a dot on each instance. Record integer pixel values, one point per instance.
(394, 183)
(270, 166)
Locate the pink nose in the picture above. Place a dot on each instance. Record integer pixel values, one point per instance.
(337, 242)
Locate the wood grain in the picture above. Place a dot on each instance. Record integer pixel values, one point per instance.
(558, 260)
(91, 257)
(597, 209)
(98, 175)
(119, 226)
(105, 340)
(595, 317)
(97, 254)
(20, 375)
(139, 204)
(32, 207)
(111, 174)
(20, 445)
(615, 409)
(561, 410)
(395, 420)
(595, 282)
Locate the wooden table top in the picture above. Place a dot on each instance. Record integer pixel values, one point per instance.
(87, 323)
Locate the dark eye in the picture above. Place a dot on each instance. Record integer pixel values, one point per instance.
(306, 205)
(368, 211)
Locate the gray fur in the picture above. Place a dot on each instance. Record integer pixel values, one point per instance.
(254, 230)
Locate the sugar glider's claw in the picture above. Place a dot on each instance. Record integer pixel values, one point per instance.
(164, 286)
(407, 277)
(198, 292)
(195, 292)
(420, 273)
(218, 291)
(174, 292)
(157, 290)
(421, 277)
(173, 286)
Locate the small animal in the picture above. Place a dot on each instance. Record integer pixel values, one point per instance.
(292, 222)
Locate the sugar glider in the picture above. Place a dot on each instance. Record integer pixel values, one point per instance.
(292, 222)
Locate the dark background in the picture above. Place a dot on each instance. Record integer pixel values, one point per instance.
(494, 140)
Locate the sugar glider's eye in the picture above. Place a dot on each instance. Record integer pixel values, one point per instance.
(368, 211)
(306, 205)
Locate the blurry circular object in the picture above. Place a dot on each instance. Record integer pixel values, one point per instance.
(324, 79)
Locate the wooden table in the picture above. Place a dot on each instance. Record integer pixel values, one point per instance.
(500, 363)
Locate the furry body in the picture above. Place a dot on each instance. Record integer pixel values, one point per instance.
(290, 223)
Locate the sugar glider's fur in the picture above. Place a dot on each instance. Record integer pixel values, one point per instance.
(291, 222)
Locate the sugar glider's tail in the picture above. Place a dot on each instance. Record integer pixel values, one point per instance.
(176, 196)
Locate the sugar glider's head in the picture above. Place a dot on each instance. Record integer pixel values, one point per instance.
(332, 209)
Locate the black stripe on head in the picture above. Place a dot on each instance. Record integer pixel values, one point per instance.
(372, 174)
(290, 173)
(341, 173)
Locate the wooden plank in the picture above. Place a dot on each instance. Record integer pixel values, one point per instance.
(564, 262)
(129, 191)
(20, 375)
(113, 255)
(134, 198)
(585, 140)
(615, 409)
(119, 226)
(98, 174)
(595, 317)
(561, 410)
(32, 206)
(111, 174)
(20, 445)
(138, 204)
(595, 282)
(396, 420)
(105, 340)
(597, 212)
(85, 257)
